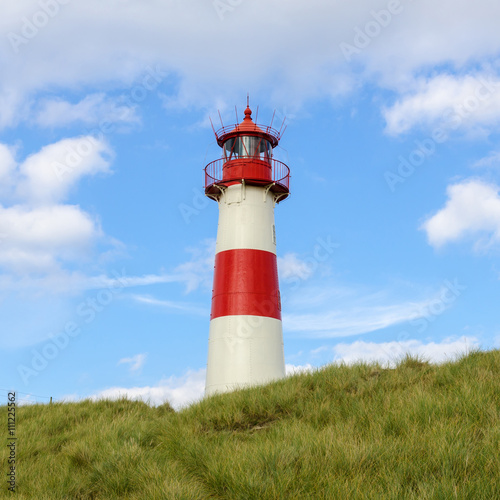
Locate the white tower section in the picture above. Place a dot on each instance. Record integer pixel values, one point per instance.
(246, 349)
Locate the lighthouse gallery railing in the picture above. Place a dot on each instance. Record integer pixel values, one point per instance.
(280, 173)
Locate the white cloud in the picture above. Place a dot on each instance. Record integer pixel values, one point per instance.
(93, 109)
(290, 266)
(448, 102)
(39, 239)
(178, 391)
(48, 175)
(185, 39)
(12, 105)
(37, 231)
(63, 243)
(295, 369)
(190, 387)
(60, 281)
(473, 208)
(7, 167)
(391, 352)
(136, 362)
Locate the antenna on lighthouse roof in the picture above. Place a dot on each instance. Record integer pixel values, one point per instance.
(256, 114)
(279, 133)
(211, 123)
(272, 119)
(236, 111)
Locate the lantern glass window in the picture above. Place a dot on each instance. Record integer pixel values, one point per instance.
(247, 146)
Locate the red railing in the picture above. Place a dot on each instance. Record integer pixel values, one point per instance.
(280, 174)
(275, 134)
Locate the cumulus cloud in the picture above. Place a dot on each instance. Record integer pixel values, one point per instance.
(390, 352)
(448, 102)
(472, 209)
(178, 391)
(48, 176)
(38, 239)
(295, 369)
(37, 231)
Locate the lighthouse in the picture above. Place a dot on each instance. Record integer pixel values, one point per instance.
(246, 339)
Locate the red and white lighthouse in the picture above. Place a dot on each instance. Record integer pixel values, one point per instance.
(246, 339)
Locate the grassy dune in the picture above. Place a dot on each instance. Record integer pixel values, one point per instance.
(416, 431)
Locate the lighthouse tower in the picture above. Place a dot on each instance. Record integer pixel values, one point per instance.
(246, 339)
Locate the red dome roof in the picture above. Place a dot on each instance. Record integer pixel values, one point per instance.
(247, 127)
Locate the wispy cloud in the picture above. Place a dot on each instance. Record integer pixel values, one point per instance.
(357, 312)
(125, 281)
(490, 161)
(93, 109)
(198, 271)
(136, 362)
(184, 307)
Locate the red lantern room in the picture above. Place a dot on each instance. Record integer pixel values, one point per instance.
(247, 157)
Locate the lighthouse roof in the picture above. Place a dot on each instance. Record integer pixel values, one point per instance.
(248, 127)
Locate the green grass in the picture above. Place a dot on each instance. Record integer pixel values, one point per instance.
(417, 431)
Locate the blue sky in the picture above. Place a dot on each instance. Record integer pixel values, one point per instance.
(390, 241)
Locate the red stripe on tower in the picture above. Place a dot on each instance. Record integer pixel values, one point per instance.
(246, 282)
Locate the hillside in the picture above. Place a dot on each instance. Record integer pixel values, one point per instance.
(416, 431)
